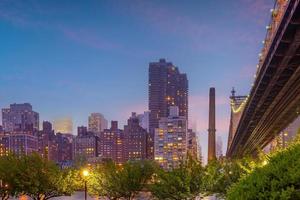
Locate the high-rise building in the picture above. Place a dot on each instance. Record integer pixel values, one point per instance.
(63, 125)
(136, 139)
(170, 140)
(167, 87)
(219, 147)
(112, 144)
(144, 120)
(212, 125)
(20, 117)
(192, 146)
(97, 122)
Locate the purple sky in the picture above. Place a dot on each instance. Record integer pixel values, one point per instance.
(71, 58)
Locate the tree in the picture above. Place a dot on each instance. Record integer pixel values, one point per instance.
(279, 178)
(104, 181)
(8, 178)
(180, 183)
(221, 174)
(134, 177)
(115, 182)
(41, 179)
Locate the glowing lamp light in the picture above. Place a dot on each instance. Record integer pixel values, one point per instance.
(265, 163)
(85, 173)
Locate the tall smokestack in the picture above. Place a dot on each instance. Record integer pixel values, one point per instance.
(212, 125)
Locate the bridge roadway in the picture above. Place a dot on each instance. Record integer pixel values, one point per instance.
(274, 100)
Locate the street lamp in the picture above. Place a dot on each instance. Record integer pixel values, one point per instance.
(85, 174)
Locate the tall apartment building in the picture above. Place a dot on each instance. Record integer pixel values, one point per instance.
(19, 117)
(97, 123)
(170, 139)
(167, 87)
(136, 139)
(112, 144)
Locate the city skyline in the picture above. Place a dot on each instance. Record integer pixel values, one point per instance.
(64, 83)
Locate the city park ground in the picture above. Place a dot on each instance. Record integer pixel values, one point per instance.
(272, 176)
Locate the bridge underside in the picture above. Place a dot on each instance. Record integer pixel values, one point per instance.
(274, 101)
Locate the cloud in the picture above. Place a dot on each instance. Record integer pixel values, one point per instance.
(89, 38)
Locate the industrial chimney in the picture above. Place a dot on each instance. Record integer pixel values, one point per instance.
(212, 125)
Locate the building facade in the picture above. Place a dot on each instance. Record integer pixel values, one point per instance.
(86, 146)
(112, 144)
(167, 87)
(136, 139)
(19, 117)
(97, 123)
(144, 120)
(21, 143)
(170, 140)
(65, 147)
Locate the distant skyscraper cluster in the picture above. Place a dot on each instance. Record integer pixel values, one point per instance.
(63, 125)
(161, 133)
(97, 122)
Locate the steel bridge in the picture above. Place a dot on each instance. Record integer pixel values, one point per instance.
(274, 100)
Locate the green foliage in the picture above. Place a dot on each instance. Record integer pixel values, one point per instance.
(34, 176)
(220, 175)
(181, 183)
(113, 181)
(8, 169)
(278, 179)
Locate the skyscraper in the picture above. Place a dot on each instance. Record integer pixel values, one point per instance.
(212, 125)
(97, 122)
(136, 139)
(63, 125)
(20, 117)
(170, 140)
(167, 87)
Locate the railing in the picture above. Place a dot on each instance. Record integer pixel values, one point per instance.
(276, 17)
